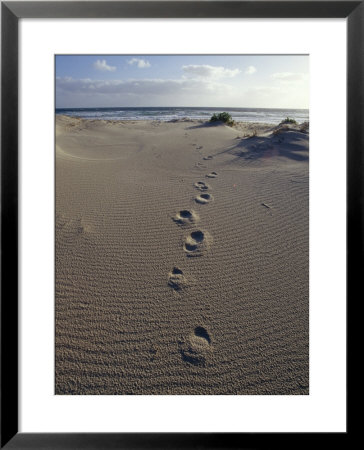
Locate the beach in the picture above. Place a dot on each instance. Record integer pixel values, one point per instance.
(182, 258)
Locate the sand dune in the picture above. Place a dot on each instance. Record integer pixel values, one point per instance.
(181, 258)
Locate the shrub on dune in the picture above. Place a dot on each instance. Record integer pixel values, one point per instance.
(222, 117)
(288, 120)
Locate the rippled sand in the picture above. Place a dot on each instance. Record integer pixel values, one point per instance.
(181, 258)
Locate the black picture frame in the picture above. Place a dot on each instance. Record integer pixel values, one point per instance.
(11, 12)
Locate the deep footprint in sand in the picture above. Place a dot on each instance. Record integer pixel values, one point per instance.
(176, 279)
(195, 243)
(201, 186)
(204, 198)
(197, 348)
(186, 217)
(211, 175)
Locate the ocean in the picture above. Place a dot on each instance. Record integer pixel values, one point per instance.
(262, 115)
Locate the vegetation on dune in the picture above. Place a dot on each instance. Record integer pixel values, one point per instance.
(305, 127)
(288, 120)
(222, 117)
(284, 126)
(251, 135)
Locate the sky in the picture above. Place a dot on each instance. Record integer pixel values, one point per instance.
(245, 81)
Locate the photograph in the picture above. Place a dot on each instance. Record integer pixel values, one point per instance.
(182, 224)
(181, 210)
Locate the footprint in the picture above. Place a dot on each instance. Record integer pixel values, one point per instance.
(176, 279)
(72, 227)
(82, 229)
(211, 175)
(207, 158)
(197, 348)
(196, 243)
(186, 217)
(201, 335)
(204, 198)
(201, 186)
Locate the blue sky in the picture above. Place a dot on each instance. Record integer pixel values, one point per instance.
(247, 81)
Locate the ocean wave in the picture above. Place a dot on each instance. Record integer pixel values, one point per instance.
(171, 114)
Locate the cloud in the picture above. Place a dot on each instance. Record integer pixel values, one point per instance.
(140, 63)
(287, 76)
(206, 71)
(250, 70)
(134, 89)
(102, 65)
(194, 91)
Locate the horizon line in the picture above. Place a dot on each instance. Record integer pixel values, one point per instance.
(200, 107)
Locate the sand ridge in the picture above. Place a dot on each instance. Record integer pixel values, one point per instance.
(136, 311)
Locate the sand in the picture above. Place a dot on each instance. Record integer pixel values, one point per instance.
(181, 258)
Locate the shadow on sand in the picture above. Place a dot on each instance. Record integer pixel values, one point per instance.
(291, 145)
(206, 125)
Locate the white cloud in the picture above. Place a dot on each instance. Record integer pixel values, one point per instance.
(138, 90)
(102, 65)
(193, 91)
(206, 71)
(146, 86)
(141, 63)
(287, 76)
(250, 70)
